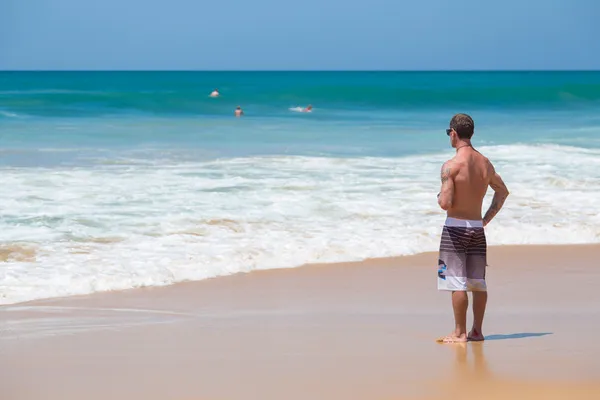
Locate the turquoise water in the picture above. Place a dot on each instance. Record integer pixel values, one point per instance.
(356, 113)
(268, 94)
(123, 179)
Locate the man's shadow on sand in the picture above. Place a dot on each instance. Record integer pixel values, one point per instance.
(516, 336)
(466, 373)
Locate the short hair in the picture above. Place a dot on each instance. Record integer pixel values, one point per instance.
(463, 125)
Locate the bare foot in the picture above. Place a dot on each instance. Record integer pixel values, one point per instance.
(452, 338)
(475, 336)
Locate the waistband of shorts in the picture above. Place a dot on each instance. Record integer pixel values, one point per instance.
(464, 223)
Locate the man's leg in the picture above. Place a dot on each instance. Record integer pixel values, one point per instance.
(476, 268)
(452, 277)
(479, 304)
(460, 304)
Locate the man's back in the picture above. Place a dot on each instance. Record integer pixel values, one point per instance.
(471, 175)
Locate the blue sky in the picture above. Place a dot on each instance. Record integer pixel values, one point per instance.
(300, 34)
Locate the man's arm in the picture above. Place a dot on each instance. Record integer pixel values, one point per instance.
(446, 195)
(500, 195)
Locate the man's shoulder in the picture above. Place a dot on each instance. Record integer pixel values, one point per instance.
(452, 163)
(486, 161)
(481, 156)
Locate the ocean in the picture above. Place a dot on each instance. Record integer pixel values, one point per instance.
(116, 180)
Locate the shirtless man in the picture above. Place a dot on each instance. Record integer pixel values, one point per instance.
(462, 259)
(238, 111)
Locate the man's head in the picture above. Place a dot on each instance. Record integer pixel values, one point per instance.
(461, 128)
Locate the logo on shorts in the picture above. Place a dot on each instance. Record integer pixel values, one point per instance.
(441, 269)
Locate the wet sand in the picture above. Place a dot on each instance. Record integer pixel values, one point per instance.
(361, 330)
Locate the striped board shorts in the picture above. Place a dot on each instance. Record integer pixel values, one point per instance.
(463, 256)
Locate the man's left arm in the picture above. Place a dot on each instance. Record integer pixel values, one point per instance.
(446, 195)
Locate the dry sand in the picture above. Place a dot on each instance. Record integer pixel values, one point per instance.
(343, 331)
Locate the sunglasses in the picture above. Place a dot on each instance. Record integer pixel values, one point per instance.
(448, 131)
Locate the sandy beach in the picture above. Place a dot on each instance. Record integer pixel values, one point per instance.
(363, 330)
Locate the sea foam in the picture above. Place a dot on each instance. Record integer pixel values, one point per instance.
(121, 225)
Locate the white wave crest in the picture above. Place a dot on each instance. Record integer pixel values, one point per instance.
(121, 226)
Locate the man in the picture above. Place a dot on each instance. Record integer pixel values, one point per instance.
(238, 111)
(462, 259)
(215, 93)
